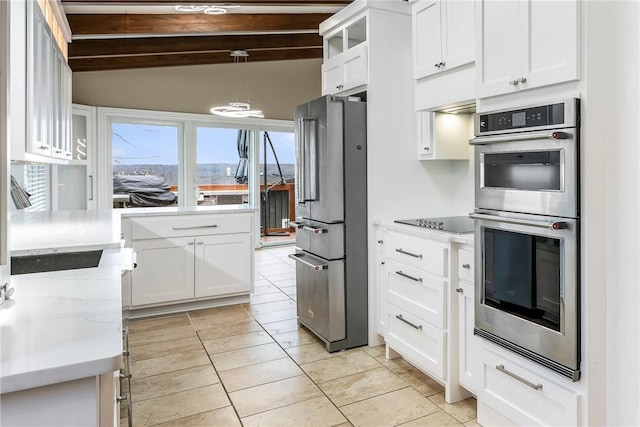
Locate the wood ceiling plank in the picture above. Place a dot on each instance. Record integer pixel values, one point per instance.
(147, 61)
(113, 24)
(159, 45)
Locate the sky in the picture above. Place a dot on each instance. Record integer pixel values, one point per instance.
(158, 144)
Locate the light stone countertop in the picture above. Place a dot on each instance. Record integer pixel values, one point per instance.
(427, 233)
(63, 325)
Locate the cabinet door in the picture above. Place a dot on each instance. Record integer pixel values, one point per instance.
(355, 67)
(498, 46)
(381, 283)
(425, 134)
(550, 38)
(223, 264)
(458, 33)
(469, 368)
(332, 75)
(427, 46)
(165, 270)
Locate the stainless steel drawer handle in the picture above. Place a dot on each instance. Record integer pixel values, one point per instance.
(502, 369)
(315, 230)
(316, 267)
(296, 224)
(413, 325)
(540, 224)
(193, 227)
(399, 250)
(415, 279)
(467, 266)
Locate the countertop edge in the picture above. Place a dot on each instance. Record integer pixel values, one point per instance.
(441, 236)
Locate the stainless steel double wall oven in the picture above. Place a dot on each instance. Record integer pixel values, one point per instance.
(527, 232)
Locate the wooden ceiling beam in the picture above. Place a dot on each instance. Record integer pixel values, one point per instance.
(164, 45)
(147, 61)
(131, 24)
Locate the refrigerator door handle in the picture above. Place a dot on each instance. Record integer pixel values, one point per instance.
(307, 161)
(316, 267)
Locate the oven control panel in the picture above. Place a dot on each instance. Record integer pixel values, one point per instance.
(522, 119)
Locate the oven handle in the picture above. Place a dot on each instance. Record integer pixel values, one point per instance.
(529, 136)
(316, 267)
(557, 225)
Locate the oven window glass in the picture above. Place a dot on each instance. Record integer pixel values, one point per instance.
(522, 275)
(523, 170)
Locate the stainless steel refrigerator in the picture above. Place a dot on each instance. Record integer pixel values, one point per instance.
(331, 220)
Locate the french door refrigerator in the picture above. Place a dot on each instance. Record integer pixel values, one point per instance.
(331, 220)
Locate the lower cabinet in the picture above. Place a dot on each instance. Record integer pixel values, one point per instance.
(522, 392)
(186, 258)
(469, 365)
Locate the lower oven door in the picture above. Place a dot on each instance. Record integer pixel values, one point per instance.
(527, 286)
(320, 295)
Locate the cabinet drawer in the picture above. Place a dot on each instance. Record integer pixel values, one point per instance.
(508, 387)
(416, 340)
(465, 265)
(417, 253)
(189, 225)
(417, 292)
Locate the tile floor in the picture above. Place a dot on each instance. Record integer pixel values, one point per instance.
(251, 365)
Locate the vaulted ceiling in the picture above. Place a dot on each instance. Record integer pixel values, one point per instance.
(124, 34)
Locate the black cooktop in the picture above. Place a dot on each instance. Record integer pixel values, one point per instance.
(450, 224)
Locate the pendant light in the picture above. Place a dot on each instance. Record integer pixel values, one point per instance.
(236, 108)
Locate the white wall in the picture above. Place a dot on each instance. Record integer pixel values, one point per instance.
(275, 87)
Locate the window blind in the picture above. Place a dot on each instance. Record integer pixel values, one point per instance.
(37, 183)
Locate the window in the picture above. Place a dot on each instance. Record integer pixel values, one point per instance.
(36, 183)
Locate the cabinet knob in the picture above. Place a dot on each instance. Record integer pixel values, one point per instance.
(466, 266)
(459, 290)
(381, 262)
(380, 241)
(522, 80)
(513, 82)
(441, 64)
(189, 243)
(201, 243)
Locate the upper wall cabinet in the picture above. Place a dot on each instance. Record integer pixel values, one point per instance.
(443, 35)
(345, 57)
(526, 44)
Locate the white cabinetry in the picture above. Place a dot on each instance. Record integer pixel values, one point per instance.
(520, 391)
(469, 366)
(443, 35)
(419, 311)
(184, 258)
(444, 136)
(526, 44)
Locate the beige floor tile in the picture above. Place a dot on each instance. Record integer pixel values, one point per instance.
(179, 405)
(421, 382)
(340, 366)
(472, 423)
(219, 319)
(389, 409)
(277, 277)
(265, 289)
(310, 352)
(281, 327)
(227, 330)
(173, 382)
(144, 324)
(285, 304)
(274, 269)
(438, 419)
(289, 290)
(262, 299)
(258, 374)
(363, 385)
(163, 348)
(223, 417)
(318, 412)
(247, 356)
(275, 316)
(463, 411)
(285, 283)
(295, 338)
(347, 424)
(213, 311)
(169, 363)
(156, 335)
(398, 366)
(236, 342)
(377, 351)
(273, 395)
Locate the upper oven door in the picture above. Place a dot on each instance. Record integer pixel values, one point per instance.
(529, 172)
(527, 282)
